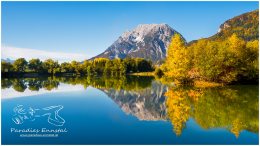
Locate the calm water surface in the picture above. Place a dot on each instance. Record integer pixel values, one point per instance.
(129, 110)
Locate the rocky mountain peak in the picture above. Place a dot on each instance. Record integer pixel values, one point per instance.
(143, 30)
(149, 41)
(245, 26)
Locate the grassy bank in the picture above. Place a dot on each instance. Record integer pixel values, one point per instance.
(143, 74)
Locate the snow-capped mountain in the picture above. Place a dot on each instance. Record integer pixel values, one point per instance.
(149, 41)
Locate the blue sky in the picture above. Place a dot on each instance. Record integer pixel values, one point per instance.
(88, 28)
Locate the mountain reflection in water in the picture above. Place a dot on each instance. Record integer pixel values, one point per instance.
(234, 108)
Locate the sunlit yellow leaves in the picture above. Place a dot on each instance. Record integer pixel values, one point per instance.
(177, 60)
(236, 45)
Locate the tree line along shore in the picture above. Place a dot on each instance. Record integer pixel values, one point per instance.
(98, 66)
(232, 60)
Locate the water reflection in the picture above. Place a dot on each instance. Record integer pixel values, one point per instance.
(33, 84)
(50, 83)
(144, 103)
(234, 108)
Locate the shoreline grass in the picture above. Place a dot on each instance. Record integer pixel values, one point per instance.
(143, 74)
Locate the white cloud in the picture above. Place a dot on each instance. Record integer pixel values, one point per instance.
(14, 53)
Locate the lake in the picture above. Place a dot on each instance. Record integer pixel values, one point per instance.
(126, 110)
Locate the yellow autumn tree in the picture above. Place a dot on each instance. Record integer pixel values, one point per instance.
(236, 45)
(233, 62)
(177, 62)
(251, 60)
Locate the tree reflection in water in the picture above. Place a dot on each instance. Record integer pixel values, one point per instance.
(50, 83)
(234, 108)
